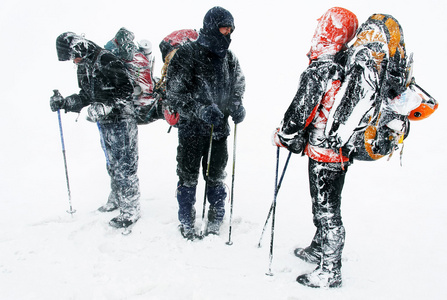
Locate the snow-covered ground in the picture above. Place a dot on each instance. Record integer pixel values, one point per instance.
(395, 216)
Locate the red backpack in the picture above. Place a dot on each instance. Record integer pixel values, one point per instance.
(176, 39)
(168, 47)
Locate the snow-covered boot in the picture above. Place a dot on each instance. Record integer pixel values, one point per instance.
(216, 212)
(187, 232)
(108, 207)
(124, 220)
(213, 225)
(328, 273)
(321, 278)
(311, 254)
(112, 202)
(128, 201)
(186, 197)
(308, 254)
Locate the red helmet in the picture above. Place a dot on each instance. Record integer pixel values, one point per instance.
(334, 30)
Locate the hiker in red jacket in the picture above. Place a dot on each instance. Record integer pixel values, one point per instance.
(302, 129)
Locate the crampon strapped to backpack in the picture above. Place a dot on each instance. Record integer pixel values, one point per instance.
(378, 98)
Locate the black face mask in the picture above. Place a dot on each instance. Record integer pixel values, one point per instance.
(215, 42)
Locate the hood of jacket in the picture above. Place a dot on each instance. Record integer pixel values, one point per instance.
(335, 29)
(69, 46)
(210, 37)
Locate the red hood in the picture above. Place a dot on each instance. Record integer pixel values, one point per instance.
(334, 30)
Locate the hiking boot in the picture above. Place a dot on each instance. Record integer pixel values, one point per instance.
(309, 255)
(108, 207)
(123, 220)
(321, 278)
(215, 218)
(187, 232)
(186, 197)
(213, 227)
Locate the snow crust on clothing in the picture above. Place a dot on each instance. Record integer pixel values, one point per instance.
(395, 216)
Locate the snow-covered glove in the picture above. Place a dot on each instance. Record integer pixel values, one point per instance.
(238, 115)
(211, 114)
(335, 142)
(98, 111)
(73, 103)
(56, 101)
(275, 139)
(293, 142)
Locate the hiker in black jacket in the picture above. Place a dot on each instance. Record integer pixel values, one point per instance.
(106, 88)
(205, 85)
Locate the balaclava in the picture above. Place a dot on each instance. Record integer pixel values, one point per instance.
(210, 36)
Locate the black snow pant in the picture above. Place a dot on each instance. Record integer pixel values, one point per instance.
(119, 140)
(192, 153)
(326, 182)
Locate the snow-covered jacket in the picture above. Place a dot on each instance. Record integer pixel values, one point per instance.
(196, 78)
(304, 123)
(102, 77)
(307, 114)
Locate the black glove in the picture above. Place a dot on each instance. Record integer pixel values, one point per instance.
(57, 101)
(211, 114)
(73, 103)
(238, 115)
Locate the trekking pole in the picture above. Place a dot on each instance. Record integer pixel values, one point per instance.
(269, 273)
(273, 208)
(276, 193)
(71, 210)
(232, 187)
(206, 181)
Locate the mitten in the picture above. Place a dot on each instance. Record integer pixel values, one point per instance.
(238, 115)
(211, 114)
(73, 103)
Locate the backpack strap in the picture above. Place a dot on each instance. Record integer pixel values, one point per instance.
(161, 84)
